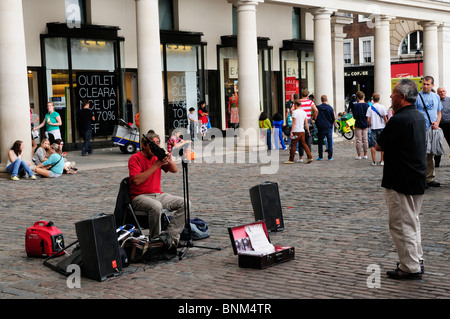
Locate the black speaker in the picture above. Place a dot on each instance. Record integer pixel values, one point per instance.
(266, 204)
(99, 247)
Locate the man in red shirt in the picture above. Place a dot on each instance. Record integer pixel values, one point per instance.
(145, 189)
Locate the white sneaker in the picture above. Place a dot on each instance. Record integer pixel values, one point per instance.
(299, 160)
(357, 157)
(381, 163)
(365, 157)
(374, 163)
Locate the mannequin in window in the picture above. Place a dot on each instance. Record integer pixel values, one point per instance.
(233, 110)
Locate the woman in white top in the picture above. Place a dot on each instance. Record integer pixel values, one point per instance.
(299, 125)
(16, 165)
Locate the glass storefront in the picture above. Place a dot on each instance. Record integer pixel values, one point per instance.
(33, 76)
(229, 82)
(182, 80)
(78, 68)
(90, 67)
(297, 68)
(229, 71)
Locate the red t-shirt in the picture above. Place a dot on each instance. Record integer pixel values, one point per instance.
(138, 163)
(201, 115)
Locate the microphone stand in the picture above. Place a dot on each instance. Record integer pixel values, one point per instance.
(187, 209)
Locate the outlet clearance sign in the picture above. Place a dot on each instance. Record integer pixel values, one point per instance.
(100, 88)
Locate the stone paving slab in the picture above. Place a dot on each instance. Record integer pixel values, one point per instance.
(334, 213)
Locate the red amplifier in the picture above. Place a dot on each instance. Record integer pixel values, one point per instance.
(43, 239)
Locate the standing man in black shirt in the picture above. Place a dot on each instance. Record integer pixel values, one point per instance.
(404, 174)
(86, 119)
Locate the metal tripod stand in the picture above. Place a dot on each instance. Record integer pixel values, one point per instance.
(187, 212)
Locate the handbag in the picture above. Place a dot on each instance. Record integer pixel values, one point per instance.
(34, 134)
(434, 138)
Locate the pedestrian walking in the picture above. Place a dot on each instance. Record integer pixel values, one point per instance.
(325, 123)
(377, 119)
(359, 111)
(299, 127)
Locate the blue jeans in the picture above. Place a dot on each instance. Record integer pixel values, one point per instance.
(321, 134)
(19, 167)
(278, 138)
(87, 142)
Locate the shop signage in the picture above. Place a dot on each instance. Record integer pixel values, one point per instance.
(233, 69)
(406, 70)
(357, 73)
(176, 115)
(100, 89)
(291, 86)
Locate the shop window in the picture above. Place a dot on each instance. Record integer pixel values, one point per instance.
(307, 71)
(290, 71)
(229, 81)
(33, 95)
(94, 79)
(57, 77)
(182, 83)
(83, 68)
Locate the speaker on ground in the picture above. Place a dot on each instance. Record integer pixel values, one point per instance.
(266, 204)
(99, 247)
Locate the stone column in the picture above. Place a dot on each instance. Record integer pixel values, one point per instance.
(430, 50)
(382, 60)
(337, 28)
(444, 53)
(14, 100)
(323, 65)
(150, 87)
(247, 47)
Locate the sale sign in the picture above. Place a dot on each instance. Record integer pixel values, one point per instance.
(291, 87)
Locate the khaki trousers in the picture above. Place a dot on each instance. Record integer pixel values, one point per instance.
(362, 141)
(404, 225)
(430, 168)
(153, 204)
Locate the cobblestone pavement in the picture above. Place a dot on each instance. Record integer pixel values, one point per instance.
(334, 213)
